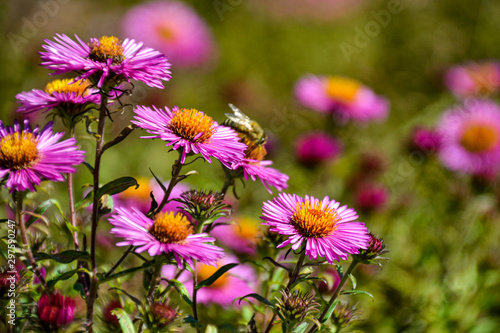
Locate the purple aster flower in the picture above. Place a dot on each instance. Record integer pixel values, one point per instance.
(237, 282)
(474, 79)
(56, 310)
(470, 138)
(268, 176)
(167, 233)
(345, 98)
(193, 131)
(327, 229)
(29, 156)
(73, 98)
(173, 28)
(316, 148)
(370, 197)
(106, 59)
(426, 140)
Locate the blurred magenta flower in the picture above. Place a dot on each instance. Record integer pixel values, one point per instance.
(370, 197)
(193, 132)
(470, 138)
(474, 79)
(345, 98)
(237, 282)
(73, 97)
(241, 236)
(29, 156)
(332, 277)
(56, 310)
(108, 316)
(167, 233)
(106, 59)
(426, 140)
(316, 148)
(173, 28)
(140, 197)
(328, 230)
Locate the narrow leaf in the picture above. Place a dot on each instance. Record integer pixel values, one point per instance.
(40, 210)
(65, 276)
(353, 280)
(328, 313)
(133, 298)
(356, 292)
(215, 276)
(181, 289)
(124, 320)
(257, 297)
(64, 257)
(116, 186)
(301, 328)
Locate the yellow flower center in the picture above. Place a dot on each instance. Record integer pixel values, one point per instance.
(64, 86)
(171, 228)
(107, 48)
(206, 271)
(141, 193)
(478, 138)
(310, 220)
(165, 33)
(247, 229)
(18, 151)
(342, 88)
(192, 125)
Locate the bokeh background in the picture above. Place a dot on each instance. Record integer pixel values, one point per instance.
(443, 228)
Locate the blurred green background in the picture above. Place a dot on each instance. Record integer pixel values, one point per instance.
(443, 229)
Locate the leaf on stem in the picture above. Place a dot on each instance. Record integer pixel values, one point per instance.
(257, 297)
(215, 276)
(124, 320)
(64, 257)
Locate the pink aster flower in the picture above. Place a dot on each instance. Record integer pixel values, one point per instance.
(316, 148)
(470, 138)
(72, 97)
(193, 131)
(327, 229)
(237, 282)
(241, 236)
(167, 233)
(370, 197)
(173, 28)
(106, 59)
(474, 79)
(345, 98)
(29, 156)
(268, 176)
(426, 140)
(140, 197)
(56, 310)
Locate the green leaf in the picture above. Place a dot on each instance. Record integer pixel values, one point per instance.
(257, 297)
(124, 320)
(301, 328)
(65, 276)
(356, 292)
(103, 278)
(117, 186)
(181, 289)
(41, 209)
(328, 313)
(134, 299)
(353, 280)
(215, 276)
(64, 257)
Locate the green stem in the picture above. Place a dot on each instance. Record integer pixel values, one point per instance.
(95, 212)
(228, 181)
(131, 247)
(176, 170)
(18, 199)
(195, 294)
(353, 265)
(156, 278)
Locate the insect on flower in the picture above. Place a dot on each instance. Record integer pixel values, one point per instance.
(249, 129)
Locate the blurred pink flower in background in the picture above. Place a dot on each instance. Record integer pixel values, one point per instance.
(316, 148)
(173, 28)
(332, 278)
(56, 310)
(237, 282)
(345, 98)
(470, 138)
(371, 197)
(426, 140)
(474, 79)
(241, 236)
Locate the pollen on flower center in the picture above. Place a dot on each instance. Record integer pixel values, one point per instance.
(107, 48)
(18, 151)
(310, 220)
(192, 125)
(342, 88)
(64, 86)
(478, 138)
(206, 271)
(171, 228)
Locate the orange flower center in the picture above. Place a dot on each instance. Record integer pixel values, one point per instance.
(206, 271)
(310, 220)
(341, 88)
(18, 151)
(192, 125)
(165, 33)
(247, 229)
(64, 86)
(107, 48)
(171, 228)
(141, 193)
(479, 138)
